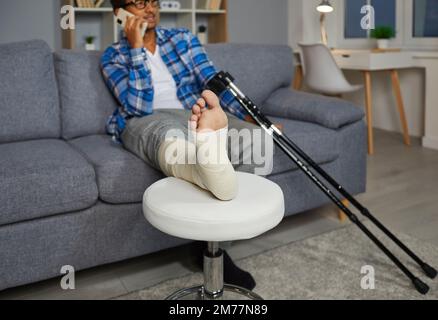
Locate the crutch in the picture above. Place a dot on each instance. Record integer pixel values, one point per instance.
(224, 81)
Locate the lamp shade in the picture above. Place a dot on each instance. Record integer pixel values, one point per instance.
(324, 7)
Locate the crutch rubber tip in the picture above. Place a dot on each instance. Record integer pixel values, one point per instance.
(430, 271)
(420, 286)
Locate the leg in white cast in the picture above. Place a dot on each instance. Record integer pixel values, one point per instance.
(177, 158)
(205, 161)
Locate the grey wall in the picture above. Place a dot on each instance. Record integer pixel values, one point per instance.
(30, 19)
(258, 21)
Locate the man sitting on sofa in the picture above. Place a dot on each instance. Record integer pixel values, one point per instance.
(158, 80)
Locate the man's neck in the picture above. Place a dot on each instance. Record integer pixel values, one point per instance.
(150, 40)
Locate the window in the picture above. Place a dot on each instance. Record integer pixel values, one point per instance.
(353, 18)
(415, 22)
(385, 15)
(425, 18)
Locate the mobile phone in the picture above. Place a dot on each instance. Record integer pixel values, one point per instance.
(122, 17)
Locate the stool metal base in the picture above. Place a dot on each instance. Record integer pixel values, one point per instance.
(230, 292)
(214, 287)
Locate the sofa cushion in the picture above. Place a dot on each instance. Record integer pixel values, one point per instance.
(122, 177)
(258, 69)
(41, 178)
(86, 102)
(29, 104)
(320, 143)
(329, 112)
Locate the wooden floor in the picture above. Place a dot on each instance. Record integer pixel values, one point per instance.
(402, 193)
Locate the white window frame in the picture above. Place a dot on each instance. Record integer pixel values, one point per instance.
(403, 39)
(411, 42)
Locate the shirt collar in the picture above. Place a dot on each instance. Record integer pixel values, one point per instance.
(159, 31)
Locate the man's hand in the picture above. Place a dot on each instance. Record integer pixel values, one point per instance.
(133, 31)
(248, 118)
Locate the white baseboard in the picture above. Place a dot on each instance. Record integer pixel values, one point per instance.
(430, 142)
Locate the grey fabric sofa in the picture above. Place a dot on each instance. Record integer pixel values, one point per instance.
(70, 196)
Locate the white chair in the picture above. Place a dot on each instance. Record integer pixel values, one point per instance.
(183, 210)
(321, 73)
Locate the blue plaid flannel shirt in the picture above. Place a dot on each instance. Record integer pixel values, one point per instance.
(128, 76)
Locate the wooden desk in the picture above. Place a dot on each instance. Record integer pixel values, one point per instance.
(367, 61)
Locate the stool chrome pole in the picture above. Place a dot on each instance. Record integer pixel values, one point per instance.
(213, 271)
(214, 287)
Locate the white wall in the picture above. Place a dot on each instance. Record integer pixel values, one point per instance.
(304, 23)
(304, 27)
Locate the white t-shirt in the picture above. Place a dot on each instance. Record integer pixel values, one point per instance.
(164, 85)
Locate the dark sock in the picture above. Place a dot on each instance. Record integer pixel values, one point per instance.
(232, 273)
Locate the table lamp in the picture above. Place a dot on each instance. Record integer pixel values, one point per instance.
(324, 7)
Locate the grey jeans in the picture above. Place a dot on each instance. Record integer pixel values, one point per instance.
(144, 136)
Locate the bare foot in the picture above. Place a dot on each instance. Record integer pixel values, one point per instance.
(197, 111)
(208, 114)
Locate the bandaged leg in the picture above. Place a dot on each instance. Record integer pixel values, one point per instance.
(177, 158)
(213, 166)
(203, 162)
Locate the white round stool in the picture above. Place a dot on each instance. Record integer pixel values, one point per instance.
(183, 210)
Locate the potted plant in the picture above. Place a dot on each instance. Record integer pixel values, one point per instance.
(202, 34)
(89, 43)
(382, 34)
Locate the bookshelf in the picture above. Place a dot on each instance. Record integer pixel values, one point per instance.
(100, 22)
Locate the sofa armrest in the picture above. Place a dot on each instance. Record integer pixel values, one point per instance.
(329, 112)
